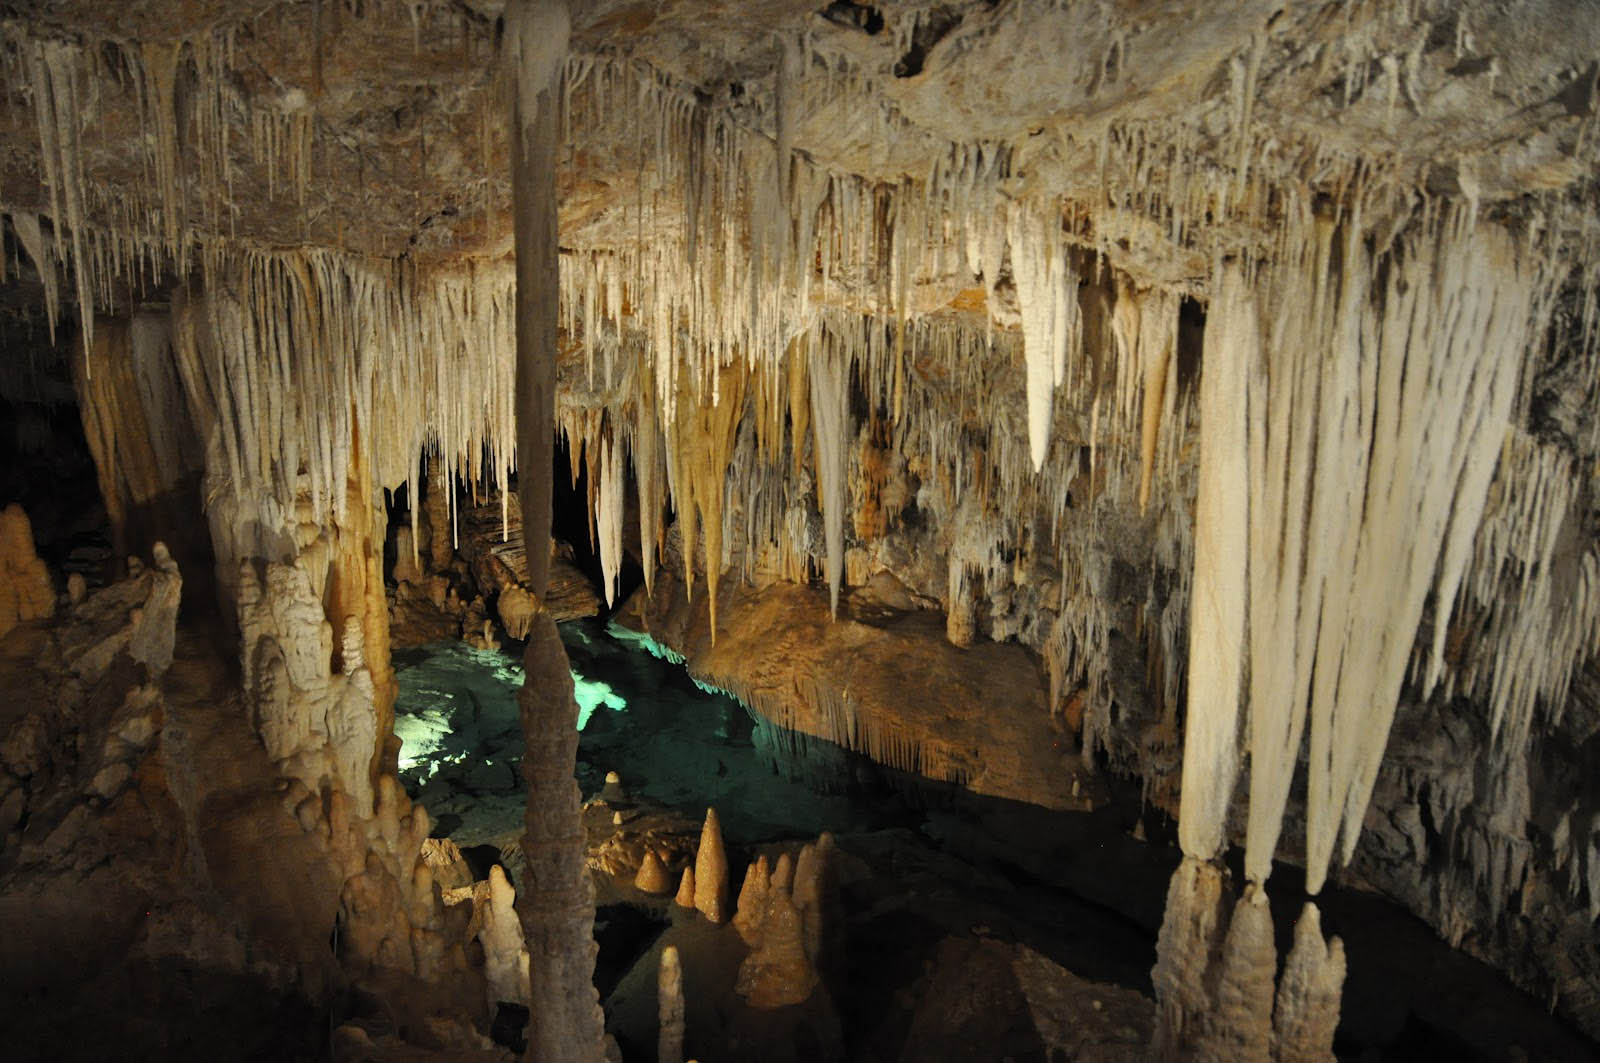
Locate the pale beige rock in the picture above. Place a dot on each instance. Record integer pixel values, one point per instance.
(652, 877)
(1191, 936)
(783, 872)
(407, 566)
(517, 609)
(1239, 1028)
(711, 871)
(505, 957)
(670, 1006)
(752, 905)
(778, 973)
(685, 896)
(1309, 992)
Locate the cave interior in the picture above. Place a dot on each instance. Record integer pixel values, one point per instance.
(1022, 476)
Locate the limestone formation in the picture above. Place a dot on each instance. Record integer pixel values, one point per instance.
(27, 593)
(751, 908)
(652, 876)
(669, 992)
(686, 889)
(813, 893)
(1307, 1010)
(557, 906)
(711, 871)
(517, 609)
(506, 960)
(1221, 392)
(783, 872)
(778, 972)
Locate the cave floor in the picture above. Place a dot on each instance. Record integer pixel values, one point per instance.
(933, 881)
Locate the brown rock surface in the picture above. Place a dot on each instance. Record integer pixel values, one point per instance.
(894, 689)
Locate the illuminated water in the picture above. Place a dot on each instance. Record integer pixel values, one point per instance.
(641, 715)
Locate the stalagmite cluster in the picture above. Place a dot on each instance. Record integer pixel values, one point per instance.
(782, 917)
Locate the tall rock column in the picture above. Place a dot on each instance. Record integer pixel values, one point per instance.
(557, 905)
(536, 40)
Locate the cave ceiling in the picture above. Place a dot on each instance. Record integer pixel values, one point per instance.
(377, 128)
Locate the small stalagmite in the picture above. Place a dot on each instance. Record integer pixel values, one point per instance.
(652, 877)
(752, 905)
(669, 996)
(711, 871)
(685, 897)
(783, 872)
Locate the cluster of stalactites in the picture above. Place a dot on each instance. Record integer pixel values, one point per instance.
(1351, 429)
(1354, 407)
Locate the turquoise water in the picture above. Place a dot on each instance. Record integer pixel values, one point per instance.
(670, 738)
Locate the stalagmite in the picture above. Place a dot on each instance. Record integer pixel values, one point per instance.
(1191, 934)
(1307, 1011)
(684, 898)
(652, 875)
(669, 997)
(752, 904)
(506, 961)
(711, 871)
(1239, 1030)
(778, 973)
(558, 899)
(25, 590)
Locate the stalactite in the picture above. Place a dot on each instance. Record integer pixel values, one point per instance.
(1445, 349)
(608, 511)
(829, 372)
(1219, 594)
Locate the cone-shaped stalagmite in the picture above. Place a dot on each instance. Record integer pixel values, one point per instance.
(783, 872)
(1191, 934)
(1239, 1027)
(711, 871)
(652, 876)
(685, 897)
(1308, 994)
(752, 905)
